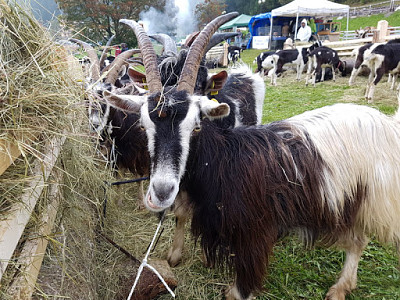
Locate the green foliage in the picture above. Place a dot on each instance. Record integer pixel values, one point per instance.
(253, 7)
(98, 19)
(208, 10)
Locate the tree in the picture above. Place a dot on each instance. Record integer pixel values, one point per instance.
(98, 20)
(252, 7)
(209, 10)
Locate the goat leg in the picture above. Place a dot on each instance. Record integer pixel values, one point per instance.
(354, 245)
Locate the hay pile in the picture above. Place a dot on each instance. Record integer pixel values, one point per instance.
(37, 93)
(41, 97)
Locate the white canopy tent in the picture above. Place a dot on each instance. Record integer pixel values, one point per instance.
(313, 8)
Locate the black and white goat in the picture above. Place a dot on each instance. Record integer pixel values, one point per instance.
(385, 58)
(234, 54)
(121, 132)
(297, 57)
(363, 32)
(243, 92)
(322, 58)
(332, 175)
(361, 53)
(262, 62)
(120, 139)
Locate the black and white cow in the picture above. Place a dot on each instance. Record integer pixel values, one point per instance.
(322, 58)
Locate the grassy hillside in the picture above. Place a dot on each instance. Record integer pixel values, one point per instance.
(356, 23)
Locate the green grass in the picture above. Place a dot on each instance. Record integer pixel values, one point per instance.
(361, 22)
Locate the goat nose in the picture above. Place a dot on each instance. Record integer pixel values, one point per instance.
(163, 191)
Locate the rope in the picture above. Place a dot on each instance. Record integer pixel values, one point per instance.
(145, 264)
(129, 181)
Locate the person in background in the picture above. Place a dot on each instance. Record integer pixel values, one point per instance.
(124, 47)
(285, 29)
(313, 26)
(304, 32)
(117, 50)
(238, 38)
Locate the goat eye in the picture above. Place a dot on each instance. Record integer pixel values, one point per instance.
(142, 128)
(197, 128)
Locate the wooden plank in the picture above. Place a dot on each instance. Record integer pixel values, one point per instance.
(346, 48)
(348, 42)
(13, 226)
(392, 37)
(341, 54)
(10, 151)
(32, 254)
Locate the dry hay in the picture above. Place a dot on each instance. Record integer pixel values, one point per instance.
(37, 92)
(40, 98)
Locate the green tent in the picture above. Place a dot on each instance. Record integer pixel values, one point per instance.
(239, 21)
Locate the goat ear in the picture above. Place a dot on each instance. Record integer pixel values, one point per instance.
(128, 103)
(212, 109)
(123, 71)
(216, 82)
(137, 76)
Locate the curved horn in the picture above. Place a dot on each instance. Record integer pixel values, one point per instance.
(220, 37)
(117, 63)
(190, 39)
(94, 60)
(187, 80)
(167, 41)
(149, 56)
(104, 53)
(135, 60)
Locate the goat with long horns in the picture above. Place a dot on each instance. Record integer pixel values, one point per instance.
(332, 174)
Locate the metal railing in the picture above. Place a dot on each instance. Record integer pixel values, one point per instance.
(350, 35)
(375, 8)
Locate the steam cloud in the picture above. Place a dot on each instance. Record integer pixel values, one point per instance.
(173, 20)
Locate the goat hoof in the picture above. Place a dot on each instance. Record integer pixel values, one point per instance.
(335, 294)
(174, 257)
(232, 293)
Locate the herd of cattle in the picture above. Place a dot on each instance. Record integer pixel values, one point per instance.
(379, 58)
(330, 175)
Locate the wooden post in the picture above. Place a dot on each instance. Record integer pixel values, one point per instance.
(375, 36)
(32, 254)
(13, 226)
(382, 30)
(10, 151)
